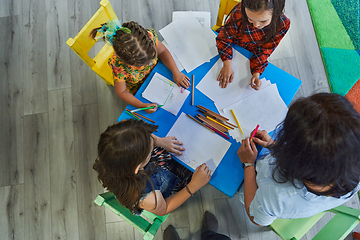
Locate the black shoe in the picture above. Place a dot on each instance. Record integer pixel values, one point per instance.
(210, 222)
(170, 233)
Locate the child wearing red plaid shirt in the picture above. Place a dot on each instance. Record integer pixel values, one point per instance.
(256, 25)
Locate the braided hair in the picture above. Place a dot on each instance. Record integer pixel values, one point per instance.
(135, 48)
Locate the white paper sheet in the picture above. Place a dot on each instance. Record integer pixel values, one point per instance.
(201, 145)
(234, 91)
(191, 43)
(163, 91)
(202, 17)
(176, 60)
(265, 107)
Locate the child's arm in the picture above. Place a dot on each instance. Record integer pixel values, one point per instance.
(171, 144)
(165, 56)
(123, 94)
(259, 60)
(200, 177)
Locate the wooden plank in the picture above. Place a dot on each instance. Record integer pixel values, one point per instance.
(62, 166)
(11, 104)
(34, 58)
(12, 212)
(86, 136)
(110, 106)
(120, 230)
(83, 79)
(37, 177)
(306, 49)
(10, 8)
(58, 54)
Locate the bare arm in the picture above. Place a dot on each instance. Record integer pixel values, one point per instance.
(123, 94)
(200, 177)
(247, 154)
(165, 56)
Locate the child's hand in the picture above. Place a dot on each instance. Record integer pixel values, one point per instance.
(181, 79)
(247, 151)
(255, 81)
(200, 178)
(170, 144)
(262, 138)
(151, 110)
(226, 74)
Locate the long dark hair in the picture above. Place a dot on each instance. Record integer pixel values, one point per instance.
(275, 6)
(121, 148)
(319, 143)
(135, 48)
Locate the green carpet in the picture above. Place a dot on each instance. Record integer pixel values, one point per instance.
(336, 24)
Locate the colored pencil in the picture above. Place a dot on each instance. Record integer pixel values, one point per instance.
(139, 115)
(222, 134)
(218, 122)
(230, 125)
(211, 123)
(237, 121)
(133, 115)
(192, 92)
(257, 127)
(200, 122)
(139, 109)
(213, 113)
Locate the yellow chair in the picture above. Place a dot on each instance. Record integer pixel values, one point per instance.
(81, 43)
(225, 7)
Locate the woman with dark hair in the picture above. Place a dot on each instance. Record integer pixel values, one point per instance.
(135, 165)
(313, 165)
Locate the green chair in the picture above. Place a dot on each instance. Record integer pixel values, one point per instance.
(148, 223)
(337, 228)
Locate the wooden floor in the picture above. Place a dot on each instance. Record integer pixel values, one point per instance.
(53, 108)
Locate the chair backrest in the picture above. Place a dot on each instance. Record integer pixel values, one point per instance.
(340, 225)
(225, 7)
(81, 43)
(147, 223)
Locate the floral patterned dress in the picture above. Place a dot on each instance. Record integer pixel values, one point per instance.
(133, 76)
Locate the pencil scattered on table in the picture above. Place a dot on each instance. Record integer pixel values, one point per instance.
(137, 115)
(192, 92)
(132, 115)
(213, 121)
(237, 122)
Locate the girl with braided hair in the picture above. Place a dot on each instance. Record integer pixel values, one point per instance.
(136, 52)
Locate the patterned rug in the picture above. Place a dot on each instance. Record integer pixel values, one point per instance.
(337, 27)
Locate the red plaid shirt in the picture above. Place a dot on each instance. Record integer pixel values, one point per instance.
(250, 41)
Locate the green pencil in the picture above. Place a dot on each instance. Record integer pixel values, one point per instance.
(132, 115)
(139, 109)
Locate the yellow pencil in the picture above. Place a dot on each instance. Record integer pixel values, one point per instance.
(218, 122)
(237, 121)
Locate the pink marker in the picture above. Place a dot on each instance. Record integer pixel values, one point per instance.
(257, 127)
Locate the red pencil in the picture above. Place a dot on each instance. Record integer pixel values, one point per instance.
(257, 127)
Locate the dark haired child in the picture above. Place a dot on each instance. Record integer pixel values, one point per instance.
(313, 165)
(256, 25)
(135, 165)
(136, 52)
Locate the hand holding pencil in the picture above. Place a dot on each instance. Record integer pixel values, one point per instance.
(150, 110)
(262, 138)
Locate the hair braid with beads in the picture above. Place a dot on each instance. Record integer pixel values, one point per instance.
(135, 48)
